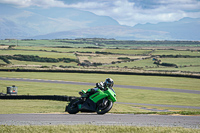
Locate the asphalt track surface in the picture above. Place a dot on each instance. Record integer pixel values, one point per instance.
(119, 86)
(107, 119)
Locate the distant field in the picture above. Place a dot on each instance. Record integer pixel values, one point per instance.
(139, 63)
(39, 53)
(182, 61)
(2, 62)
(28, 64)
(187, 69)
(106, 59)
(44, 43)
(128, 51)
(39, 48)
(98, 42)
(176, 52)
(106, 54)
(184, 64)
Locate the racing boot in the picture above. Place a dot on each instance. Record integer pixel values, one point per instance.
(84, 95)
(82, 92)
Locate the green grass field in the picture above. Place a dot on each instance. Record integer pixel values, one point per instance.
(2, 62)
(182, 61)
(123, 95)
(176, 52)
(45, 43)
(95, 129)
(128, 51)
(182, 68)
(31, 106)
(149, 81)
(49, 49)
(141, 63)
(34, 64)
(39, 53)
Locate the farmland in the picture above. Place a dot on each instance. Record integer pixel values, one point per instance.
(104, 54)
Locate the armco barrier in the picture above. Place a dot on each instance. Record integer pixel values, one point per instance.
(38, 97)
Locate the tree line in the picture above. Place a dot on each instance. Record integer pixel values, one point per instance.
(178, 56)
(132, 42)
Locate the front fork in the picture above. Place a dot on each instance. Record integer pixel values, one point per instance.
(103, 104)
(105, 101)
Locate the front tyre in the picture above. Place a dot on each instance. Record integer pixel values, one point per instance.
(104, 108)
(73, 107)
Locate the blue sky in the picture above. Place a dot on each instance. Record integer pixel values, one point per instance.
(126, 12)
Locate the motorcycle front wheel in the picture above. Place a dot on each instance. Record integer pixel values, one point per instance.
(104, 108)
(72, 107)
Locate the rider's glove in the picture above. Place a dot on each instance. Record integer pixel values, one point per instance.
(99, 85)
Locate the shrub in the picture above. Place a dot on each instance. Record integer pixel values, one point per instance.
(123, 58)
(4, 58)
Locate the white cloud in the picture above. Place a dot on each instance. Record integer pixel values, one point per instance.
(87, 5)
(126, 12)
(39, 3)
(181, 4)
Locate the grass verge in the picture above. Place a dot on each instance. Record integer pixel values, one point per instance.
(45, 106)
(123, 95)
(94, 129)
(135, 80)
(31, 106)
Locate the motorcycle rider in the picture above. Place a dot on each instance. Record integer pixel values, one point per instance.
(102, 85)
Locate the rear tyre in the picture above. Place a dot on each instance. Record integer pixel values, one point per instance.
(102, 109)
(73, 107)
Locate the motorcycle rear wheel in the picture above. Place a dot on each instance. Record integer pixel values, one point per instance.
(73, 107)
(105, 108)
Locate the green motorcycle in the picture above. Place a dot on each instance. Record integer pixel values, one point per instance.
(101, 102)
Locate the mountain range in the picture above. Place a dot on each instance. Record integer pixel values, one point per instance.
(59, 23)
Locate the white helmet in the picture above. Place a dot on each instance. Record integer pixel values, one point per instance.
(109, 82)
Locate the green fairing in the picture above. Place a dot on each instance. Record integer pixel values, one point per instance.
(83, 91)
(112, 95)
(100, 95)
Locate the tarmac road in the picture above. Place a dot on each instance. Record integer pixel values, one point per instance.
(107, 119)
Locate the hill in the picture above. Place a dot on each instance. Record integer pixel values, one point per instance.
(53, 23)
